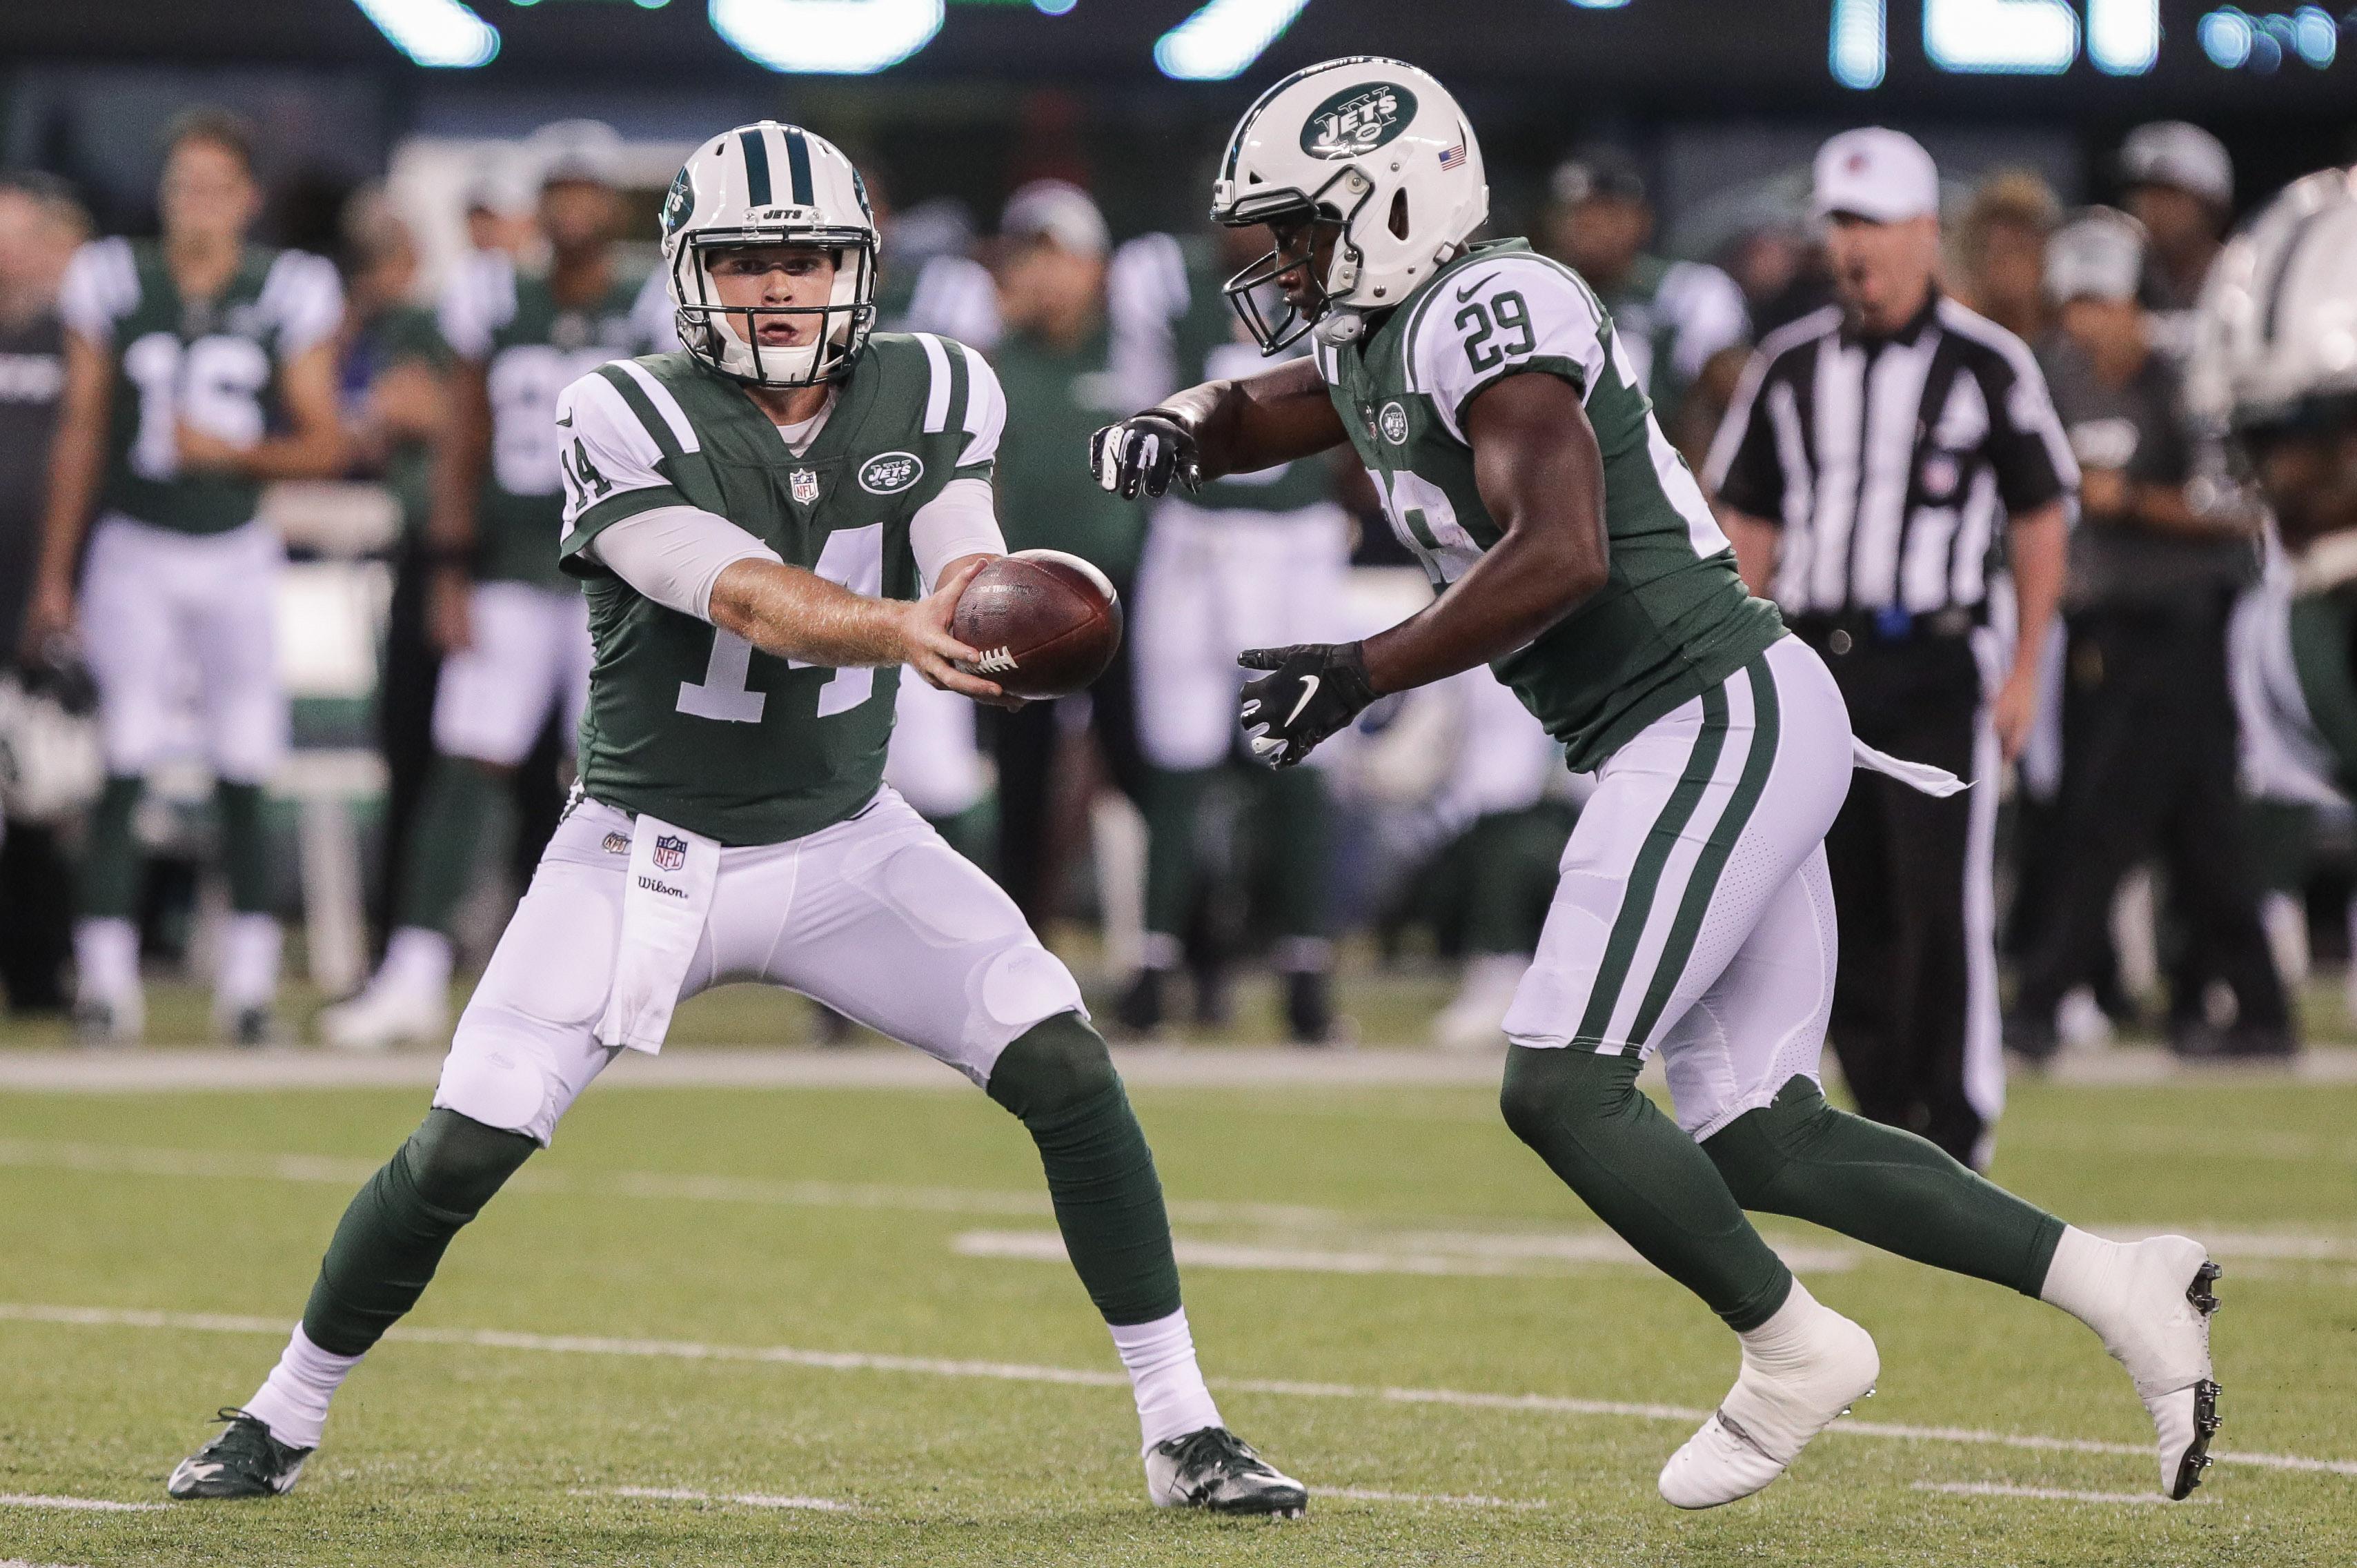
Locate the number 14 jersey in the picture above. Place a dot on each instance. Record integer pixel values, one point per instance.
(692, 724)
(1672, 619)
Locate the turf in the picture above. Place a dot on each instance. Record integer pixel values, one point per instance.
(445, 1452)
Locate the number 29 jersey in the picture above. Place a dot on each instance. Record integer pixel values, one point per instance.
(691, 724)
(212, 364)
(1672, 619)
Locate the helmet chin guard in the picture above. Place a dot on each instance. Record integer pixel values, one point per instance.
(771, 184)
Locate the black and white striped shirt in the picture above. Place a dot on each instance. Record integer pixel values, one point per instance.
(1889, 462)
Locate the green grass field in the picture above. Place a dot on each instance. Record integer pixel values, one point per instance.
(692, 1291)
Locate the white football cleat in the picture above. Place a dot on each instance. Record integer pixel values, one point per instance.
(2160, 1332)
(384, 1016)
(1215, 1470)
(1823, 1364)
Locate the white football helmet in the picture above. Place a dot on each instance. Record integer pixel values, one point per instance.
(1374, 146)
(770, 184)
(2276, 335)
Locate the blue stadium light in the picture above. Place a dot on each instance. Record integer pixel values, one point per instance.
(826, 37)
(2315, 35)
(1599, 5)
(442, 34)
(2226, 37)
(2003, 37)
(1860, 50)
(1224, 37)
(1055, 7)
(2123, 35)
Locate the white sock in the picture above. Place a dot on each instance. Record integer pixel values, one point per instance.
(1172, 1398)
(292, 1401)
(107, 958)
(1784, 1342)
(417, 960)
(2086, 1279)
(248, 976)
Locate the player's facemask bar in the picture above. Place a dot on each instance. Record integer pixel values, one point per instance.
(1273, 320)
(727, 338)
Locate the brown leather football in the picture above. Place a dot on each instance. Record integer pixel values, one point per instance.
(1046, 623)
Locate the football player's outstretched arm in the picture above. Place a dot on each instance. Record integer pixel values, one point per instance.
(800, 615)
(1540, 475)
(1219, 428)
(77, 452)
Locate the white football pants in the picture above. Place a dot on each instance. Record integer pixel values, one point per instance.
(531, 653)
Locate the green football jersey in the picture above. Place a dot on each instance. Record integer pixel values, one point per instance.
(212, 364)
(1672, 619)
(1173, 328)
(691, 724)
(530, 348)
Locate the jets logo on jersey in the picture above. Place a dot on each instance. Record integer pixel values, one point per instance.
(889, 473)
(1357, 119)
(803, 484)
(671, 851)
(1394, 423)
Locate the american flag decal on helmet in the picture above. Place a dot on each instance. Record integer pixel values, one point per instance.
(1450, 157)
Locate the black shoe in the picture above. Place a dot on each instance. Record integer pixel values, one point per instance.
(1309, 1006)
(253, 1027)
(244, 1461)
(2256, 1043)
(1215, 1470)
(1215, 1000)
(2032, 1037)
(1143, 1006)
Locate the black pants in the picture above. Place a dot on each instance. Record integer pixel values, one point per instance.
(2148, 754)
(35, 919)
(1908, 870)
(1028, 742)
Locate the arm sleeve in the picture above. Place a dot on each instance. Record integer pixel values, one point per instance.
(674, 554)
(100, 283)
(961, 520)
(2027, 448)
(1494, 319)
(1744, 468)
(611, 464)
(304, 296)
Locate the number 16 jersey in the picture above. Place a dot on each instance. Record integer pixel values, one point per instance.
(1672, 619)
(692, 724)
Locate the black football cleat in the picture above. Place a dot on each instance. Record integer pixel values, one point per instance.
(244, 1461)
(1309, 1006)
(1215, 1470)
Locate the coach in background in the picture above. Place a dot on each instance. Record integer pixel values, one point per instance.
(41, 225)
(2176, 180)
(2148, 739)
(1878, 454)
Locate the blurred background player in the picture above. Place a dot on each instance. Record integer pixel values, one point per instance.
(2176, 180)
(514, 630)
(1249, 561)
(198, 367)
(2149, 735)
(1681, 323)
(1055, 360)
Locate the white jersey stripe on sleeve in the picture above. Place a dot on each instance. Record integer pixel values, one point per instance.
(937, 400)
(665, 404)
(986, 410)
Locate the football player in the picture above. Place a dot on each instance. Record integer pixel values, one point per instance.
(514, 631)
(1253, 558)
(769, 524)
(1570, 548)
(198, 368)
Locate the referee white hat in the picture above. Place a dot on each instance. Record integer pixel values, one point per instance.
(1877, 173)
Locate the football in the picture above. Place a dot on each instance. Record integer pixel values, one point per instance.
(1046, 623)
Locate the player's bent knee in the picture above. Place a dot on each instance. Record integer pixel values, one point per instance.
(457, 1163)
(1550, 1089)
(1752, 1150)
(1055, 1066)
(504, 1085)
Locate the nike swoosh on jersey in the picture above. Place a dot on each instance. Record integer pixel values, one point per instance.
(1467, 291)
(1309, 690)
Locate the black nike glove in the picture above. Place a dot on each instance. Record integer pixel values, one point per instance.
(1144, 453)
(1313, 690)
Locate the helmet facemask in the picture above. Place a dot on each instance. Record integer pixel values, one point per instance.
(710, 330)
(1250, 291)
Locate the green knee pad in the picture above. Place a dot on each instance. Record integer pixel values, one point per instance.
(108, 887)
(392, 1236)
(1058, 1079)
(1799, 1156)
(1584, 1115)
(245, 846)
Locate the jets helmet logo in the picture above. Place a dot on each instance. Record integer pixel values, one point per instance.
(671, 851)
(680, 202)
(1358, 120)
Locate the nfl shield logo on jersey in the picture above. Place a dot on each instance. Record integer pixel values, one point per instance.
(671, 851)
(804, 484)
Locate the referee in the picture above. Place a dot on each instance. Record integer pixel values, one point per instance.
(1882, 461)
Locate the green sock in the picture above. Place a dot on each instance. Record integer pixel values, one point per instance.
(1174, 800)
(111, 859)
(446, 847)
(392, 1236)
(1644, 1177)
(1799, 1156)
(1297, 823)
(245, 846)
(1057, 1078)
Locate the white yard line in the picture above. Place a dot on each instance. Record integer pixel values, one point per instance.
(2046, 1494)
(687, 1494)
(85, 1505)
(1010, 1371)
(1431, 1500)
(1426, 1253)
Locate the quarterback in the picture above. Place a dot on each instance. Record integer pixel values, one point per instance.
(768, 525)
(1570, 548)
